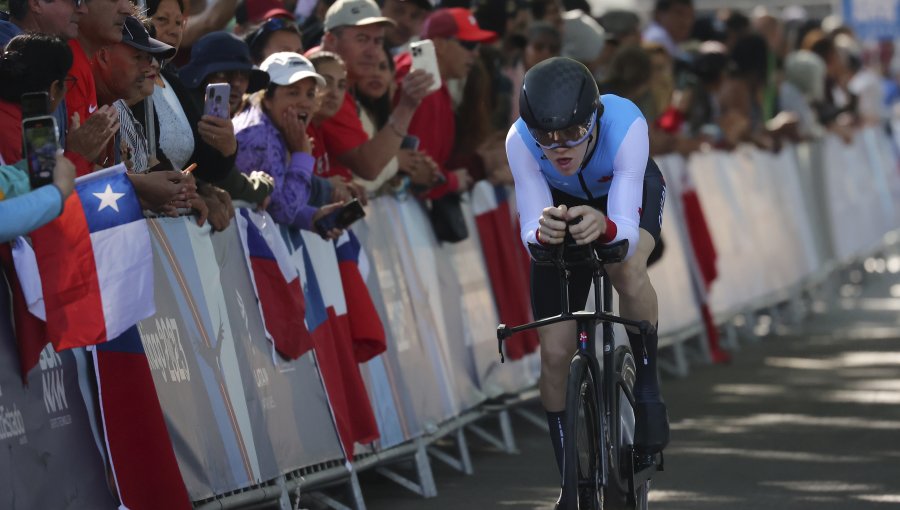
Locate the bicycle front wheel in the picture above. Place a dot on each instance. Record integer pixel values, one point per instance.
(582, 462)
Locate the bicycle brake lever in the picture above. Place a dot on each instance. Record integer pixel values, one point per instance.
(502, 334)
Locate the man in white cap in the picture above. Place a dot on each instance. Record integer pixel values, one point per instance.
(354, 29)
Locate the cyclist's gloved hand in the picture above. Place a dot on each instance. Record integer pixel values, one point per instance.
(552, 228)
(591, 226)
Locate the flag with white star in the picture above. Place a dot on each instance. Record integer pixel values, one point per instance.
(94, 262)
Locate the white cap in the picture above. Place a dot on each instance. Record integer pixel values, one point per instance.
(583, 37)
(287, 68)
(354, 13)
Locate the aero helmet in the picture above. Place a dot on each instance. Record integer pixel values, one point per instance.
(558, 99)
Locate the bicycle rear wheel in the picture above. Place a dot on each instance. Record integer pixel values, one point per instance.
(582, 449)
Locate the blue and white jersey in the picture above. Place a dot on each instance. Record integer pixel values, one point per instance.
(616, 168)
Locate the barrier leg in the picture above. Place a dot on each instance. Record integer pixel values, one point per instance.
(462, 464)
(425, 486)
(506, 441)
(677, 365)
(532, 418)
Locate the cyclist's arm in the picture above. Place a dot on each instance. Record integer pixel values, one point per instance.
(627, 188)
(532, 190)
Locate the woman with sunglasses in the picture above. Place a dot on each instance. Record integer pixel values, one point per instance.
(581, 166)
(273, 36)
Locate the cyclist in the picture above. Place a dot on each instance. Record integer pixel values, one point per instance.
(581, 165)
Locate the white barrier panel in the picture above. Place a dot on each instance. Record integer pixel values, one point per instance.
(671, 275)
(417, 386)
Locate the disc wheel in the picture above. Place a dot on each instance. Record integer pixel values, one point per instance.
(581, 464)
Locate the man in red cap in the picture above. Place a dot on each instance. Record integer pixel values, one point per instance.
(456, 36)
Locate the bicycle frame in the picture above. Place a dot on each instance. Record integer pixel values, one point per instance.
(586, 325)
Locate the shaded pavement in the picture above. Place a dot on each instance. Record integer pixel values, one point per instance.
(807, 417)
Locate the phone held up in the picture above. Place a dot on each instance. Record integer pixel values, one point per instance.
(342, 218)
(216, 103)
(40, 138)
(424, 58)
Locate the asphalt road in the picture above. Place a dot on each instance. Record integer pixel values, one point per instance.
(806, 417)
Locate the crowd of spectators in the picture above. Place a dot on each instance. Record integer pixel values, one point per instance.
(325, 107)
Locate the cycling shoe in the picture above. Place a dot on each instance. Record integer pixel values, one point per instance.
(651, 429)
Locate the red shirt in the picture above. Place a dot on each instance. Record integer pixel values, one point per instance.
(82, 97)
(340, 134)
(10, 132)
(323, 166)
(435, 124)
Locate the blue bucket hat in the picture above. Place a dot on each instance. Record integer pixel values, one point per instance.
(218, 52)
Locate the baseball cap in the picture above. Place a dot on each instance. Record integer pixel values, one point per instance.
(583, 37)
(135, 35)
(255, 11)
(287, 68)
(455, 22)
(354, 13)
(221, 51)
(619, 22)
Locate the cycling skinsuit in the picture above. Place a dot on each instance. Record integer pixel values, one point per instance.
(620, 180)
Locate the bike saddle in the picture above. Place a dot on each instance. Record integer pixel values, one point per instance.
(612, 253)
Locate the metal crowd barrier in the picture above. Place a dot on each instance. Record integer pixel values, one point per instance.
(780, 225)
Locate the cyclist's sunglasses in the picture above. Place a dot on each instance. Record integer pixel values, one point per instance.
(571, 136)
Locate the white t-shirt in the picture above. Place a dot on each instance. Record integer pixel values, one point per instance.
(176, 138)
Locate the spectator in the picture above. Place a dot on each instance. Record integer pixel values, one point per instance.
(313, 28)
(671, 26)
(622, 29)
(133, 144)
(272, 137)
(862, 82)
(408, 16)
(62, 20)
(99, 27)
(710, 67)
(354, 29)
(737, 26)
(583, 40)
(803, 86)
(120, 72)
(215, 16)
(250, 13)
(29, 211)
(376, 92)
(544, 41)
(456, 39)
(182, 135)
(275, 35)
(221, 57)
(548, 11)
(19, 75)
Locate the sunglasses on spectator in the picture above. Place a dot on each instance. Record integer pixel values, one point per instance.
(271, 25)
(469, 45)
(571, 136)
(77, 3)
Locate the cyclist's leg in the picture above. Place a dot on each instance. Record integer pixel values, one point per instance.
(557, 343)
(638, 301)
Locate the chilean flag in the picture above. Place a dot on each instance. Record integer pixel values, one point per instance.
(144, 466)
(277, 283)
(507, 264)
(366, 329)
(326, 317)
(94, 263)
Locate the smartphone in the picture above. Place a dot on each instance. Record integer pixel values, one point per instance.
(342, 218)
(216, 102)
(40, 140)
(424, 58)
(410, 142)
(35, 104)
